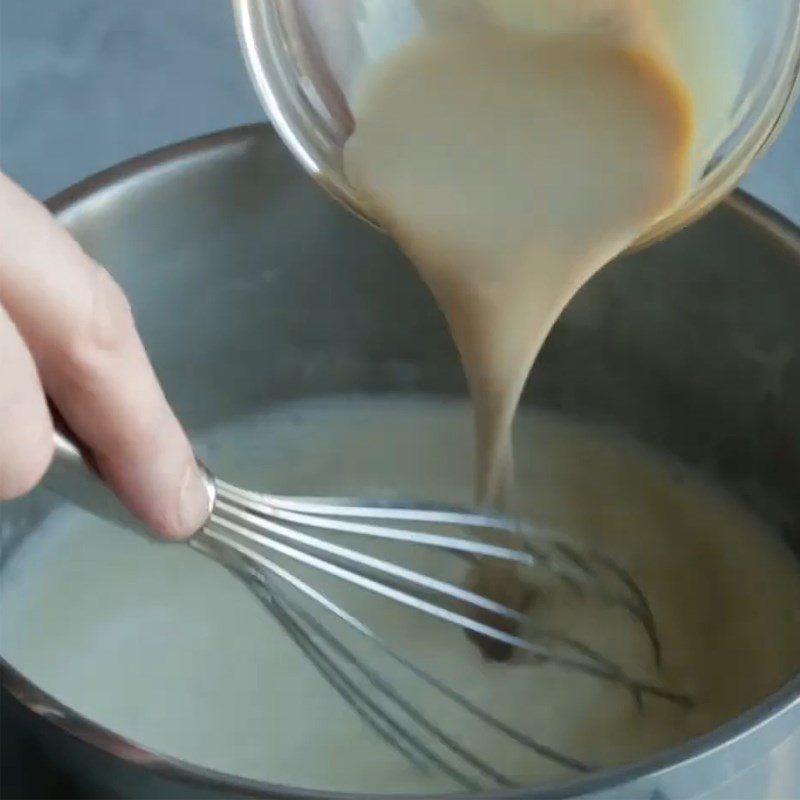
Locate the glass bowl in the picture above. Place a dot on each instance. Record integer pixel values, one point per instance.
(305, 58)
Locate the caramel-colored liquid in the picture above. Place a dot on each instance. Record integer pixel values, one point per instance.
(510, 167)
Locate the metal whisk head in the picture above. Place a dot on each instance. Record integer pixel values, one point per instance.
(272, 543)
(263, 539)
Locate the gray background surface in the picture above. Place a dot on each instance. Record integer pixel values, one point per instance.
(87, 83)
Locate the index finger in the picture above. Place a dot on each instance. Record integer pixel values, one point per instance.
(79, 327)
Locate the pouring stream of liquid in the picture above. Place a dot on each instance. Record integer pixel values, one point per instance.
(511, 167)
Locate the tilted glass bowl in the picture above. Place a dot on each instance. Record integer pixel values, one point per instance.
(305, 58)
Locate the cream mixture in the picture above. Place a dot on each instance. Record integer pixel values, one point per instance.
(163, 646)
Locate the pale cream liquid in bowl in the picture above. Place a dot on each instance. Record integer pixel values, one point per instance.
(510, 165)
(163, 646)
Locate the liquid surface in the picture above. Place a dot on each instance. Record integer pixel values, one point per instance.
(165, 647)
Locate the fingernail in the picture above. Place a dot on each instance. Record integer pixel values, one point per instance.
(194, 508)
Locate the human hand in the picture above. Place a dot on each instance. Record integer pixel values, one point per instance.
(67, 333)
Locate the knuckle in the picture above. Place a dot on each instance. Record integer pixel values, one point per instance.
(106, 330)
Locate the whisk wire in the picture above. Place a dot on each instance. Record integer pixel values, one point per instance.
(244, 528)
(596, 665)
(582, 658)
(575, 569)
(386, 689)
(350, 555)
(350, 620)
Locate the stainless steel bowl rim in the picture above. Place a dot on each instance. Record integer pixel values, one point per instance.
(48, 708)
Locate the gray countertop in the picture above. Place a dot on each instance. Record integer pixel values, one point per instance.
(87, 83)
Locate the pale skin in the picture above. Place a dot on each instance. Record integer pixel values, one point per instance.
(67, 333)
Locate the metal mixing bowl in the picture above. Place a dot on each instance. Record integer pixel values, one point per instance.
(252, 287)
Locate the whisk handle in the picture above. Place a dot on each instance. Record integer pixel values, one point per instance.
(73, 477)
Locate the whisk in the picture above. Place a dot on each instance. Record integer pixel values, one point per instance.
(263, 539)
